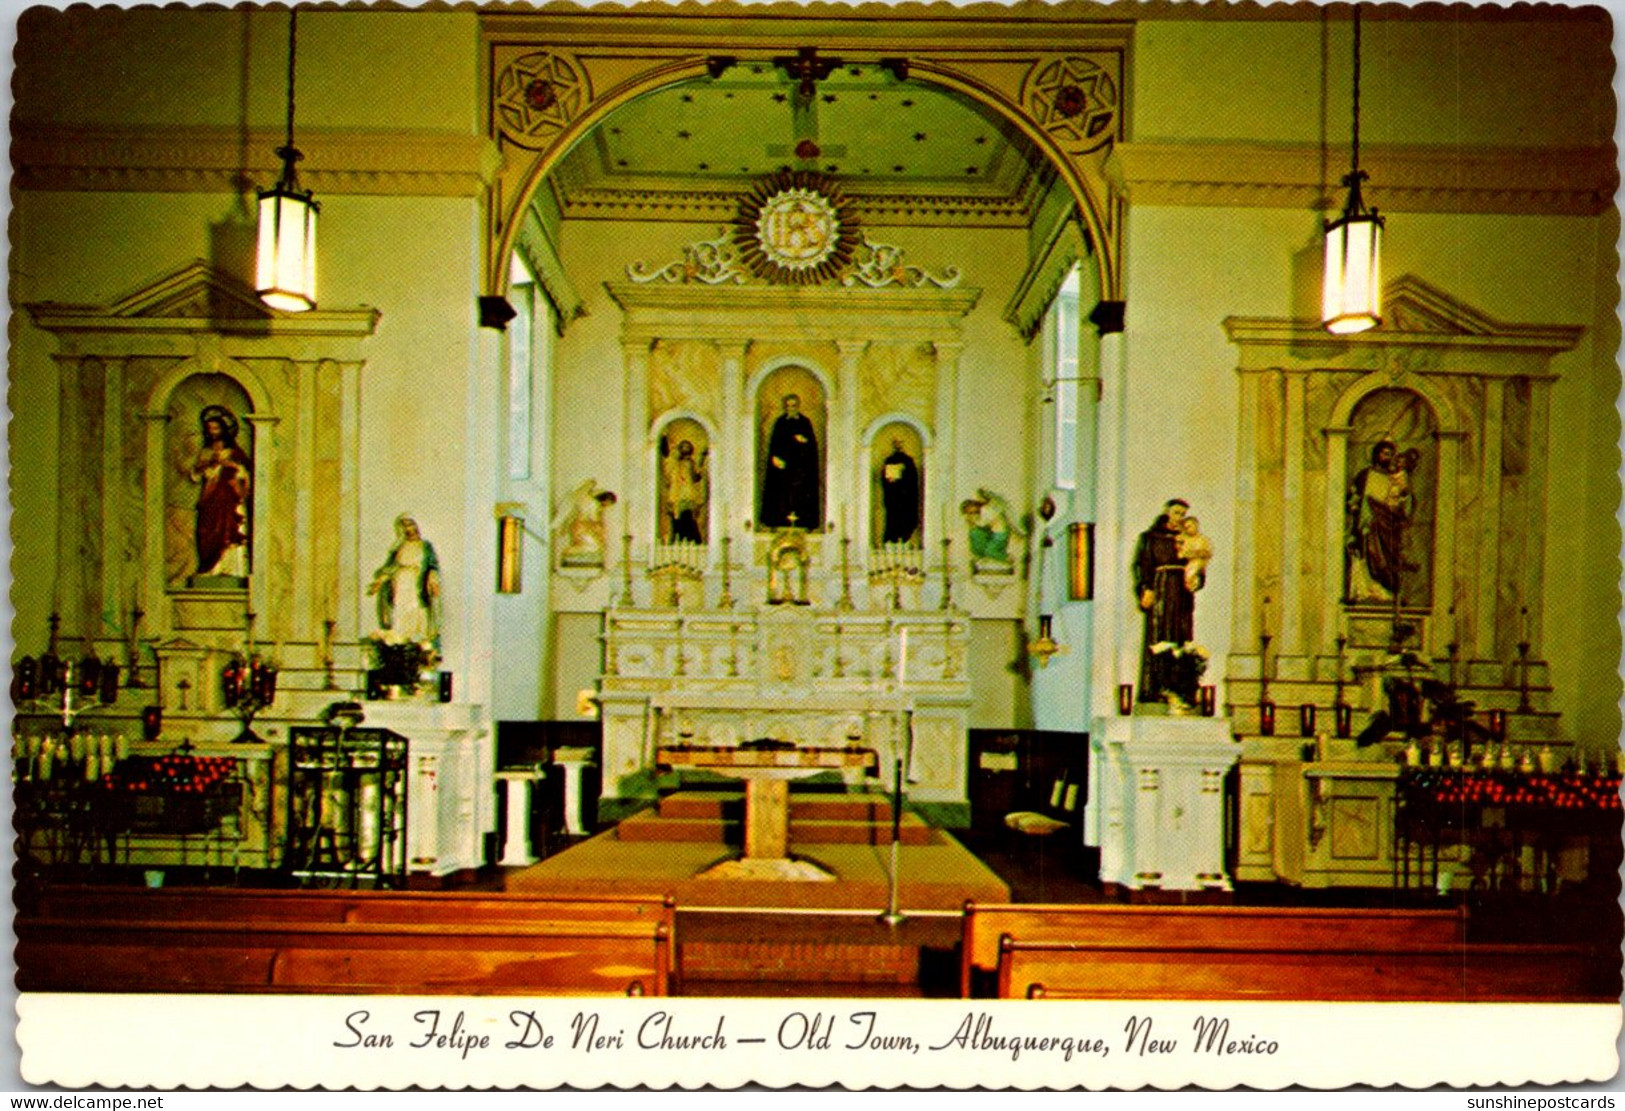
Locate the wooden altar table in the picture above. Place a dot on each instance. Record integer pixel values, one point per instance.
(767, 772)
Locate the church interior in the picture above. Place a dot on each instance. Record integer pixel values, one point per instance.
(971, 500)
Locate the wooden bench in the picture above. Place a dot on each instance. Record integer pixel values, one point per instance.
(1368, 973)
(1172, 928)
(175, 940)
(214, 904)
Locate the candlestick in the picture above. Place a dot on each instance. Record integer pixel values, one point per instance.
(845, 600)
(328, 682)
(902, 654)
(626, 570)
(947, 578)
(727, 600)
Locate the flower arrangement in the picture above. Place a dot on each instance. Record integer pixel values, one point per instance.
(1194, 655)
(1190, 661)
(401, 663)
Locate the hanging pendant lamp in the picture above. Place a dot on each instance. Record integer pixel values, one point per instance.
(1352, 295)
(286, 274)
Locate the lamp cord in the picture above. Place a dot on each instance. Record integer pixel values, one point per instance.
(1356, 149)
(293, 30)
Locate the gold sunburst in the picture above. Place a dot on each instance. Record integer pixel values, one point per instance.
(796, 228)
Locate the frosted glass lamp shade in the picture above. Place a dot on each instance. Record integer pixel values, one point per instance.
(1352, 296)
(286, 273)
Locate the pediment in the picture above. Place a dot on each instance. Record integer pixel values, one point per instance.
(1412, 305)
(195, 291)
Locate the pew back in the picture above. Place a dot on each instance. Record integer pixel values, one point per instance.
(1419, 974)
(1172, 928)
(336, 942)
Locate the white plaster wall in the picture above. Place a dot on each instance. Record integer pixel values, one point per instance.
(176, 66)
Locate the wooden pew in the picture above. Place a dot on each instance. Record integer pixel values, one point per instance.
(214, 904)
(178, 940)
(1183, 927)
(1371, 973)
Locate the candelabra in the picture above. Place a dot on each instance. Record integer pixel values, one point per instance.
(1342, 715)
(248, 685)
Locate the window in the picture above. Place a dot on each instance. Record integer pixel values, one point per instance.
(1064, 373)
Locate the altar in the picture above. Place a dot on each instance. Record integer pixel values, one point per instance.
(767, 771)
(893, 682)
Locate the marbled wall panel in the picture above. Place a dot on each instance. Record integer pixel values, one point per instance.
(685, 375)
(897, 378)
(325, 482)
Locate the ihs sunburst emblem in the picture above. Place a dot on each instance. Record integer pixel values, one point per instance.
(796, 228)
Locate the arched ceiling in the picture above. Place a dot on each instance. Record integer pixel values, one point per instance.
(903, 152)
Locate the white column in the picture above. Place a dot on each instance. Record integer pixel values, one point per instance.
(150, 556)
(350, 591)
(1292, 638)
(848, 473)
(264, 496)
(1489, 525)
(298, 624)
(1445, 625)
(1115, 658)
(115, 572)
(470, 654)
(1332, 529)
(637, 473)
(940, 497)
(736, 452)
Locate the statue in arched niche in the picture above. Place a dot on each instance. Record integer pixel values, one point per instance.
(791, 407)
(1389, 502)
(224, 474)
(209, 489)
(898, 475)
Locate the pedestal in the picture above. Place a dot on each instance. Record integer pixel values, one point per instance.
(574, 761)
(1156, 807)
(516, 846)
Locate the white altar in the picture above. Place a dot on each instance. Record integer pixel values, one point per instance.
(1156, 801)
(813, 677)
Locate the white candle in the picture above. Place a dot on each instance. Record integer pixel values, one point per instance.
(902, 654)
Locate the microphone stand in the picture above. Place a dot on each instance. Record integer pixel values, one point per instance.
(894, 915)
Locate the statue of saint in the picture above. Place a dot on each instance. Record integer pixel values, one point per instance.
(1378, 508)
(791, 481)
(899, 496)
(989, 529)
(1168, 600)
(683, 478)
(225, 475)
(408, 588)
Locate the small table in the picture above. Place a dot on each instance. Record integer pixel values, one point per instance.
(767, 773)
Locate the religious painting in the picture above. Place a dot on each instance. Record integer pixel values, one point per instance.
(791, 421)
(208, 490)
(897, 464)
(1389, 501)
(684, 476)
